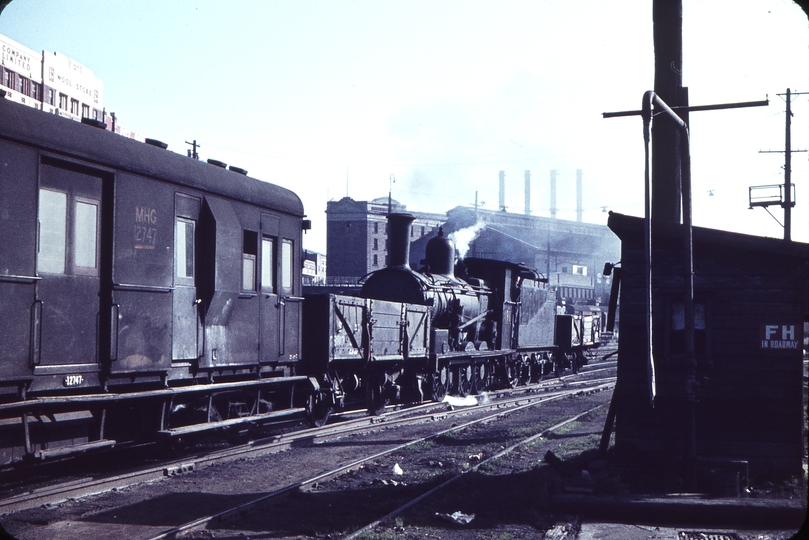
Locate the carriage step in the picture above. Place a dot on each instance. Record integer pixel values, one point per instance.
(258, 418)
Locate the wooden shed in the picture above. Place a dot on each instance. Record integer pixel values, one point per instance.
(744, 401)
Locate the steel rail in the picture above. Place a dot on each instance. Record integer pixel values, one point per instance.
(203, 522)
(48, 495)
(460, 475)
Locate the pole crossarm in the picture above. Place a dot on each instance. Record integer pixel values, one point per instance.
(695, 108)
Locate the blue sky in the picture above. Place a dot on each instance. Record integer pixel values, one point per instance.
(329, 98)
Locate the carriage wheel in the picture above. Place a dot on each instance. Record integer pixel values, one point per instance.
(439, 384)
(319, 409)
(375, 395)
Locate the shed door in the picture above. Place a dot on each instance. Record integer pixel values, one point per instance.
(68, 295)
(186, 325)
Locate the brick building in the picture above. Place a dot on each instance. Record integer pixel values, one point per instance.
(357, 237)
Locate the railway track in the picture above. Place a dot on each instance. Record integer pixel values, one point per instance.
(512, 405)
(494, 403)
(343, 424)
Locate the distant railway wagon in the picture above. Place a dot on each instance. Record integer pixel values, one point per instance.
(149, 296)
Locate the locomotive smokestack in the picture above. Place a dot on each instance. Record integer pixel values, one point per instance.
(399, 240)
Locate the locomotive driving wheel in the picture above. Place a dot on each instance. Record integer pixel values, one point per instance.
(479, 382)
(439, 384)
(512, 372)
(465, 377)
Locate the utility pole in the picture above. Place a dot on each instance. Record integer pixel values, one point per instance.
(193, 153)
(788, 202)
(391, 180)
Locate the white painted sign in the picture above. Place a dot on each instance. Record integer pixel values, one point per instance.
(780, 337)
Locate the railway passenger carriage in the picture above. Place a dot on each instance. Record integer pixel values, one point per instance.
(147, 296)
(136, 278)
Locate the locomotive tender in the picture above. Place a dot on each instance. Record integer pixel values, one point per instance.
(147, 295)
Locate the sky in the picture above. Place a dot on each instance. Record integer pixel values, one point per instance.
(430, 100)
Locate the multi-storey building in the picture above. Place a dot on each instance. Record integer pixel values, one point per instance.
(357, 236)
(51, 82)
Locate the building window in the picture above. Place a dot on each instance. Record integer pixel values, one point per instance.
(85, 111)
(74, 106)
(63, 102)
(249, 248)
(8, 78)
(376, 260)
(22, 85)
(376, 245)
(35, 90)
(376, 228)
(51, 96)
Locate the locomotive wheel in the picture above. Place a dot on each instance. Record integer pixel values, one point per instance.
(525, 372)
(479, 382)
(512, 373)
(438, 384)
(465, 378)
(558, 368)
(319, 409)
(375, 395)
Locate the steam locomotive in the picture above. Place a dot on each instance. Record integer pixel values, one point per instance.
(149, 296)
(446, 328)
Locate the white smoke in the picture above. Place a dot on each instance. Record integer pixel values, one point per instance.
(464, 237)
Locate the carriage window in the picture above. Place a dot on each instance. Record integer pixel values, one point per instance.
(85, 236)
(249, 261)
(52, 231)
(286, 266)
(184, 248)
(268, 264)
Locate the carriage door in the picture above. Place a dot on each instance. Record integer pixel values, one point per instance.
(187, 328)
(271, 298)
(68, 298)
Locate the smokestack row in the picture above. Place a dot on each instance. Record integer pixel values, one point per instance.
(579, 193)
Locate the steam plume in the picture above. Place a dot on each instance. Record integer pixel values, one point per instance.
(463, 238)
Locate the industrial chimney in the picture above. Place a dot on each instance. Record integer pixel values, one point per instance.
(527, 193)
(553, 194)
(502, 191)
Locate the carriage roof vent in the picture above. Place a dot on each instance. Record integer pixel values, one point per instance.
(218, 163)
(238, 170)
(93, 122)
(155, 142)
